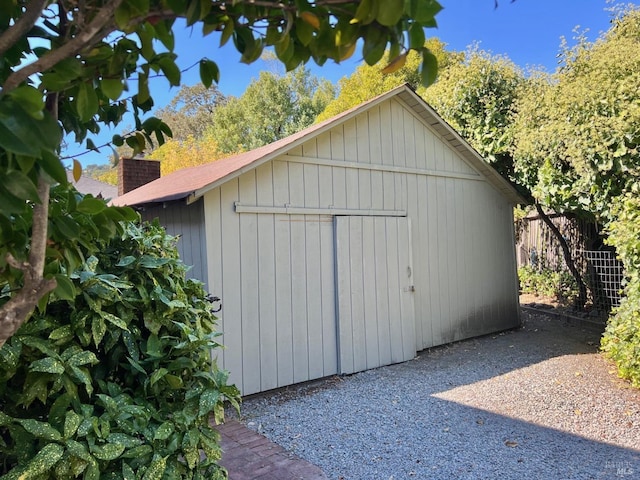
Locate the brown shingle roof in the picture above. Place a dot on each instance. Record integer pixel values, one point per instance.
(193, 182)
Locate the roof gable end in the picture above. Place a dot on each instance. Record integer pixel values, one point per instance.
(192, 183)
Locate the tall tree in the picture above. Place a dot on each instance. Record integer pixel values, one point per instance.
(272, 107)
(190, 112)
(368, 81)
(84, 55)
(476, 94)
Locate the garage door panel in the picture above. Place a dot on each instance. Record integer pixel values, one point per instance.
(376, 324)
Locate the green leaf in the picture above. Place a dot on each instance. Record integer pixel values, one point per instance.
(156, 469)
(86, 102)
(10, 204)
(117, 321)
(71, 423)
(91, 205)
(40, 429)
(170, 69)
(157, 375)
(126, 261)
(423, 11)
(83, 358)
(416, 36)
(366, 11)
(123, 439)
(227, 32)
(107, 452)
(30, 99)
(112, 87)
(143, 90)
(21, 186)
(304, 31)
(10, 355)
(78, 449)
(429, 70)
(98, 329)
(44, 460)
(374, 46)
(389, 12)
(51, 164)
(209, 72)
(61, 333)
(47, 365)
(164, 431)
(24, 134)
(208, 401)
(83, 376)
(175, 382)
(64, 287)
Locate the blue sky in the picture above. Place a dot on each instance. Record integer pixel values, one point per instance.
(527, 31)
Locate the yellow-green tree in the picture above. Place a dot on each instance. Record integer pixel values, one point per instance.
(190, 152)
(369, 81)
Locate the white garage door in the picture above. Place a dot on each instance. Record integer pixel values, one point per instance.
(376, 318)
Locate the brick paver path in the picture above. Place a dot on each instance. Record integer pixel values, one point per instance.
(247, 455)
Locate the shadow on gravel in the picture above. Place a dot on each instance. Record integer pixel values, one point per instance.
(532, 403)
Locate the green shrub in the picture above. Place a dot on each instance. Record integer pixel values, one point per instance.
(117, 383)
(560, 285)
(621, 340)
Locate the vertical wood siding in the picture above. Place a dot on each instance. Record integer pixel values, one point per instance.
(373, 269)
(276, 272)
(187, 221)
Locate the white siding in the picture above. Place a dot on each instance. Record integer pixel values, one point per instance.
(373, 261)
(276, 271)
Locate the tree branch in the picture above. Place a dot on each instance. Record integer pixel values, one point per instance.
(18, 309)
(101, 26)
(568, 259)
(12, 34)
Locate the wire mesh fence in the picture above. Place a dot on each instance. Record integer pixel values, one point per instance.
(603, 273)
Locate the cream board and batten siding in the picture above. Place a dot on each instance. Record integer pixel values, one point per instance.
(271, 236)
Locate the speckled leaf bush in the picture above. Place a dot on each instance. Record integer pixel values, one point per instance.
(117, 383)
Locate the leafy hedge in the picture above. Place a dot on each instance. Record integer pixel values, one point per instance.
(117, 383)
(621, 340)
(560, 285)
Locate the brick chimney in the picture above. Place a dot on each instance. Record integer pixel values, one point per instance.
(135, 172)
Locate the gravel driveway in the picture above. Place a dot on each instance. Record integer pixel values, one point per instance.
(535, 403)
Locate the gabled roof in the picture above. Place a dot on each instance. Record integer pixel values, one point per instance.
(192, 183)
(86, 184)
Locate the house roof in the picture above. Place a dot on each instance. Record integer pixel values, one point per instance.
(192, 183)
(95, 187)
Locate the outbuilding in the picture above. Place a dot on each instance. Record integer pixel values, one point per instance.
(350, 245)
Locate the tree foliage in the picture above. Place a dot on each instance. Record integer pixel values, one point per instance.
(476, 94)
(76, 67)
(114, 380)
(272, 107)
(577, 146)
(175, 155)
(578, 136)
(369, 81)
(190, 112)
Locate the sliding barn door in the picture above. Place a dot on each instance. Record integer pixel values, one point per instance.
(376, 318)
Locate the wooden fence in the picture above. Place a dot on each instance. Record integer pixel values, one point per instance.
(536, 246)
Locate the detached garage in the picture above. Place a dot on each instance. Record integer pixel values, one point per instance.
(350, 245)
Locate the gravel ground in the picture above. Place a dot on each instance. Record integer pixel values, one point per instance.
(534, 403)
